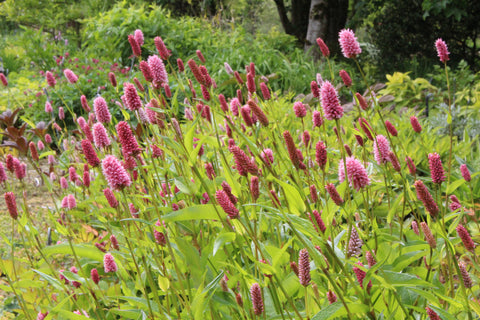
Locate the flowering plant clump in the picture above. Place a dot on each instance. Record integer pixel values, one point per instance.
(173, 200)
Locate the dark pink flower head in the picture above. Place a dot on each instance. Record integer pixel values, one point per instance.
(3, 174)
(258, 112)
(109, 264)
(112, 79)
(235, 105)
(436, 169)
(323, 47)
(254, 187)
(299, 109)
(357, 174)
(265, 91)
(137, 51)
(304, 267)
(100, 136)
(242, 162)
(317, 119)
(432, 314)
(361, 101)
(381, 149)
(138, 35)
(94, 276)
(71, 77)
(84, 103)
(354, 244)
(454, 203)
(424, 195)
(330, 103)
(196, 71)
(442, 50)
(161, 48)
(127, 139)
(9, 162)
(110, 196)
(90, 153)
(332, 191)
(347, 81)
(50, 79)
(116, 175)
(292, 151)
(411, 166)
(223, 102)
(11, 202)
(33, 153)
(349, 44)
(415, 124)
(132, 99)
(391, 128)
(180, 65)
(200, 56)
(321, 154)
(465, 173)
(466, 238)
(257, 300)
(359, 273)
(147, 73)
(315, 89)
(331, 296)
(101, 110)
(3, 79)
(467, 281)
(224, 201)
(251, 87)
(157, 68)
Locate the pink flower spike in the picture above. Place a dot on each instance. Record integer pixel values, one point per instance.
(116, 175)
(381, 149)
(3, 79)
(71, 77)
(161, 48)
(442, 50)
(101, 110)
(50, 79)
(132, 99)
(109, 264)
(158, 70)
(137, 51)
(330, 103)
(465, 173)
(138, 35)
(415, 124)
(323, 47)
(100, 136)
(257, 300)
(349, 44)
(357, 174)
(11, 204)
(436, 169)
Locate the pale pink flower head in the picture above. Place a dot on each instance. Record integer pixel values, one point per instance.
(100, 136)
(442, 50)
(356, 172)
(109, 264)
(71, 77)
(299, 109)
(48, 107)
(330, 103)
(101, 110)
(349, 44)
(115, 173)
(157, 68)
(381, 149)
(50, 79)
(138, 35)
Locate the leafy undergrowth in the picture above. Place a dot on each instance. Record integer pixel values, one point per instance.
(185, 204)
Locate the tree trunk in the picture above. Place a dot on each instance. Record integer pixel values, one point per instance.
(326, 19)
(317, 26)
(298, 24)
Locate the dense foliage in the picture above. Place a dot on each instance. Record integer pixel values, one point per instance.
(190, 190)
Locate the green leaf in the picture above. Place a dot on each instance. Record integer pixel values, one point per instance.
(222, 239)
(81, 250)
(50, 279)
(198, 212)
(128, 314)
(397, 279)
(403, 261)
(393, 209)
(295, 201)
(70, 315)
(328, 312)
(454, 185)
